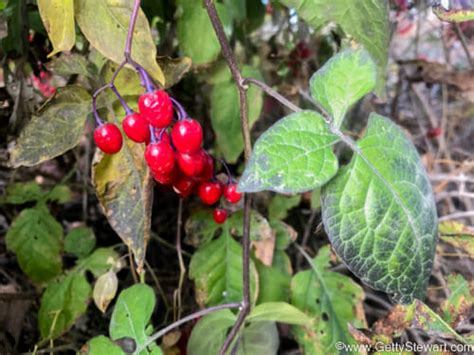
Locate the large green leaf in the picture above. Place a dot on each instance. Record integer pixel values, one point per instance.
(58, 19)
(62, 303)
(124, 188)
(36, 239)
(73, 63)
(365, 20)
(225, 114)
(57, 128)
(196, 35)
(131, 316)
(332, 300)
(216, 269)
(380, 215)
(105, 25)
(273, 283)
(342, 81)
(293, 155)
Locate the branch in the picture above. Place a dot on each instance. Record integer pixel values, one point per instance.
(245, 127)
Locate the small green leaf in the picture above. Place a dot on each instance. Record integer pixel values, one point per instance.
(225, 114)
(58, 19)
(101, 345)
(79, 241)
(380, 215)
(332, 299)
(458, 235)
(36, 239)
(365, 20)
(294, 155)
(57, 128)
(124, 188)
(284, 234)
(281, 204)
(342, 81)
(281, 312)
(59, 194)
(23, 192)
(456, 308)
(62, 303)
(194, 25)
(132, 314)
(216, 269)
(71, 64)
(99, 262)
(454, 15)
(105, 25)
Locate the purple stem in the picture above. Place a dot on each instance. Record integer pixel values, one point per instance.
(152, 134)
(229, 175)
(128, 110)
(182, 114)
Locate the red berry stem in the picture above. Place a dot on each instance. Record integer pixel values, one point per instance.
(152, 134)
(229, 175)
(128, 110)
(182, 114)
(145, 78)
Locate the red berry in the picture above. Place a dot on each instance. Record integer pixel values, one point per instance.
(108, 138)
(136, 128)
(187, 135)
(157, 108)
(220, 215)
(435, 132)
(184, 186)
(160, 157)
(231, 194)
(208, 171)
(192, 164)
(165, 137)
(165, 179)
(210, 192)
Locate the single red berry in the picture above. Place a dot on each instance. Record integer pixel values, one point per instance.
(187, 135)
(108, 138)
(157, 108)
(210, 192)
(191, 164)
(136, 128)
(184, 186)
(435, 132)
(220, 215)
(208, 171)
(160, 157)
(231, 194)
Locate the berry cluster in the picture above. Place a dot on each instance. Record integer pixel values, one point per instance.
(173, 153)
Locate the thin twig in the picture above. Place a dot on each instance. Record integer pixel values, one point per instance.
(157, 284)
(186, 319)
(463, 41)
(177, 303)
(268, 90)
(245, 128)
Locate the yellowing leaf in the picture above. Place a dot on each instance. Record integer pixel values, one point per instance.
(105, 289)
(58, 19)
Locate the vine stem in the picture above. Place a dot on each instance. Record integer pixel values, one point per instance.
(245, 128)
(177, 302)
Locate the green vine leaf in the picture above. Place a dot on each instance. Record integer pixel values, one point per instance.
(352, 17)
(380, 215)
(101, 345)
(342, 81)
(194, 25)
(225, 113)
(131, 316)
(57, 128)
(216, 269)
(36, 239)
(332, 299)
(58, 19)
(294, 155)
(124, 188)
(111, 17)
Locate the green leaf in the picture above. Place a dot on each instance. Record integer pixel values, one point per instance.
(342, 81)
(23, 192)
(36, 237)
(60, 194)
(332, 299)
(79, 241)
(101, 345)
(132, 314)
(259, 338)
(127, 80)
(456, 308)
(281, 204)
(294, 155)
(58, 19)
(281, 312)
(62, 303)
(273, 283)
(216, 269)
(105, 25)
(105, 289)
(57, 128)
(71, 64)
(174, 69)
(194, 25)
(458, 235)
(124, 188)
(380, 215)
(99, 262)
(225, 114)
(454, 15)
(365, 20)
(284, 234)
